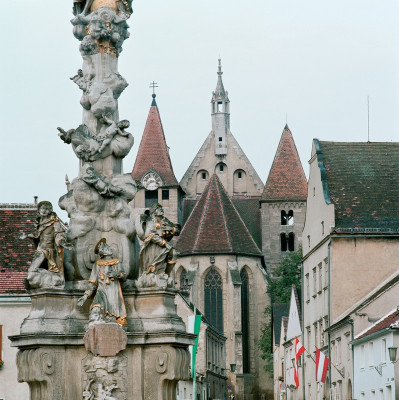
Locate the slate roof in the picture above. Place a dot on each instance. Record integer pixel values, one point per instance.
(389, 321)
(248, 209)
(362, 181)
(280, 310)
(215, 226)
(286, 180)
(15, 254)
(153, 153)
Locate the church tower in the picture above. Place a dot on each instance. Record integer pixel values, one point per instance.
(154, 172)
(220, 154)
(283, 203)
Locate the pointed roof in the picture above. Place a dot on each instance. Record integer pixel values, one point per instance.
(286, 180)
(220, 93)
(215, 226)
(153, 153)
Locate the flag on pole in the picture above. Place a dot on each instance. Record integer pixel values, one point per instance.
(299, 350)
(321, 366)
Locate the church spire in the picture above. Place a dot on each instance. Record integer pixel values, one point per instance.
(153, 154)
(220, 109)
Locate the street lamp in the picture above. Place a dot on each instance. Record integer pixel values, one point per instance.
(392, 354)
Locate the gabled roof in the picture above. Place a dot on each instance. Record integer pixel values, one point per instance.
(153, 153)
(286, 180)
(15, 254)
(280, 310)
(362, 181)
(215, 226)
(295, 314)
(389, 321)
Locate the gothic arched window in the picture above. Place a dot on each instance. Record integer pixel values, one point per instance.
(245, 320)
(213, 299)
(183, 279)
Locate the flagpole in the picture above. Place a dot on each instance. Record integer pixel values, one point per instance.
(343, 376)
(193, 366)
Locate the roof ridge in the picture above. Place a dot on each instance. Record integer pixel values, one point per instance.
(222, 210)
(204, 212)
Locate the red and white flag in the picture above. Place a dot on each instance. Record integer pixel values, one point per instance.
(321, 366)
(299, 350)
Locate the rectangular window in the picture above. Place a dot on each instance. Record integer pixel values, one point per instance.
(320, 277)
(314, 281)
(203, 175)
(371, 354)
(326, 273)
(221, 167)
(338, 352)
(165, 194)
(151, 197)
(307, 287)
(316, 336)
(383, 351)
(239, 174)
(220, 138)
(373, 395)
(362, 362)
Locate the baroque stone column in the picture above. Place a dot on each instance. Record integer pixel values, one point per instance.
(97, 330)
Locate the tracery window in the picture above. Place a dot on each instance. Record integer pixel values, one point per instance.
(245, 321)
(214, 299)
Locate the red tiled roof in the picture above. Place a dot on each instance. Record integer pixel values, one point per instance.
(15, 254)
(153, 154)
(215, 226)
(383, 323)
(286, 180)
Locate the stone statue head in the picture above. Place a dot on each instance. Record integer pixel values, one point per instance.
(44, 208)
(124, 124)
(102, 248)
(156, 209)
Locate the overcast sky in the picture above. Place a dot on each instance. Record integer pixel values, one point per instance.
(313, 60)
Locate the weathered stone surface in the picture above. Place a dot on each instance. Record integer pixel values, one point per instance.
(105, 339)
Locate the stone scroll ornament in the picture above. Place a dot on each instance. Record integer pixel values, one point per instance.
(46, 268)
(97, 200)
(157, 254)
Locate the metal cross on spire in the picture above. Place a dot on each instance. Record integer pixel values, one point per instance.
(153, 85)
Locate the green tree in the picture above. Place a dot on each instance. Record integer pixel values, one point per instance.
(279, 289)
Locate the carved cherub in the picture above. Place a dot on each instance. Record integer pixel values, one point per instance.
(102, 187)
(113, 129)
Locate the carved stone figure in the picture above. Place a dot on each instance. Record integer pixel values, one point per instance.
(46, 269)
(157, 255)
(97, 181)
(83, 6)
(113, 129)
(104, 378)
(108, 304)
(106, 25)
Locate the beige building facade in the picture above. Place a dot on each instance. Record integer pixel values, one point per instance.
(349, 248)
